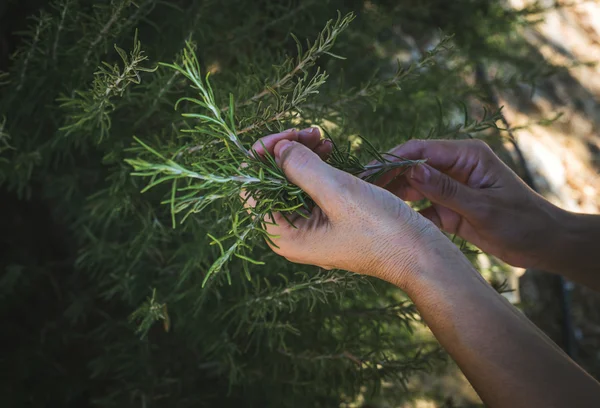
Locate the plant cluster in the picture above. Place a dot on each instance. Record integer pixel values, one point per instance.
(222, 167)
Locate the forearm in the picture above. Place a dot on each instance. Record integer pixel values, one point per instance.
(575, 248)
(509, 362)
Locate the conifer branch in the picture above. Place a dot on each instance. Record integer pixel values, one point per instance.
(148, 313)
(145, 7)
(94, 106)
(4, 78)
(468, 126)
(378, 365)
(64, 8)
(319, 284)
(306, 59)
(243, 34)
(387, 166)
(223, 168)
(307, 355)
(289, 108)
(221, 127)
(42, 23)
(117, 8)
(374, 87)
(4, 137)
(160, 93)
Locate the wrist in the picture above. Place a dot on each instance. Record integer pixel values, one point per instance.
(442, 266)
(557, 239)
(573, 248)
(558, 232)
(430, 259)
(542, 234)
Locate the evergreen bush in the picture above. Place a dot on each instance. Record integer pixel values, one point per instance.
(117, 294)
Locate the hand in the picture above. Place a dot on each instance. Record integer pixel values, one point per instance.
(363, 228)
(476, 196)
(356, 226)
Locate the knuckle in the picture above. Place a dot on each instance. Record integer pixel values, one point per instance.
(447, 187)
(295, 159)
(480, 145)
(414, 144)
(410, 147)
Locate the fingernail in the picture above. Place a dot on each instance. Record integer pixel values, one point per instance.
(325, 142)
(310, 131)
(420, 174)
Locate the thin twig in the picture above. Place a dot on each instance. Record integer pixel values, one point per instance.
(392, 165)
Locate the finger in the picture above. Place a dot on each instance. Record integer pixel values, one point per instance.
(248, 201)
(324, 149)
(431, 214)
(389, 177)
(443, 189)
(457, 158)
(444, 218)
(267, 143)
(303, 167)
(401, 188)
(309, 137)
(278, 223)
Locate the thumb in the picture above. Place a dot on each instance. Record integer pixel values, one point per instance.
(307, 170)
(442, 189)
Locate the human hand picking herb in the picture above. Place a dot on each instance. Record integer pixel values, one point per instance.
(367, 229)
(475, 195)
(356, 226)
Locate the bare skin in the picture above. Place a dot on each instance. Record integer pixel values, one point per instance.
(370, 230)
(476, 196)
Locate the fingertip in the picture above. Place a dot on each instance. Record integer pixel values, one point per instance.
(422, 178)
(411, 149)
(401, 188)
(310, 137)
(259, 148)
(267, 143)
(324, 149)
(421, 173)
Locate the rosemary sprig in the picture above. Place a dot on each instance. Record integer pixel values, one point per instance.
(222, 167)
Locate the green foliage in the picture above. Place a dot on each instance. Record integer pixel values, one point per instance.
(92, 108)
(221, 168)
(90, 263)
(4, 78)
(150, 312)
